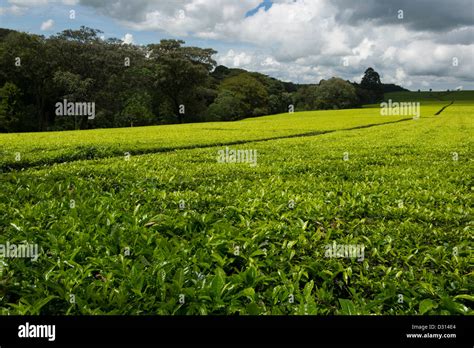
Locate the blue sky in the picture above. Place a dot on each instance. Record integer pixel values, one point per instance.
(294, 40)
(266, 5)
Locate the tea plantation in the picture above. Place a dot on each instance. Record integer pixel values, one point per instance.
(148, 221)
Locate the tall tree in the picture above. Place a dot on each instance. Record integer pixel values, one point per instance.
(180, 71)
(371, 83)
(27, 63)
(371, 79)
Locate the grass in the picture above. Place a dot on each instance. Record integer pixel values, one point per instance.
(248, 240)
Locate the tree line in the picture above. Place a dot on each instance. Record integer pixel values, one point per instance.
(136, 85)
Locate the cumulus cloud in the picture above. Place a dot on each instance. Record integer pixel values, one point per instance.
(178, 17)
(236, 59)
(32, 3)
(21, 7)
(13, 10)
(47, 25)
(307, 40)
(128, 39)
(430, 15)
(27, 3)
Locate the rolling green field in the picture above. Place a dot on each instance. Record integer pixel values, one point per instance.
(171, 230)
(36, 149)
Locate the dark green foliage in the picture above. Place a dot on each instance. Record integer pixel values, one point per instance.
(335, 93)
(371, 80)
(179, 84)
(11, 108)
(371, 88)
(239, 96)
(180, 73)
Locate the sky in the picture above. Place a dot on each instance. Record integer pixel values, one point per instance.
(418, 44)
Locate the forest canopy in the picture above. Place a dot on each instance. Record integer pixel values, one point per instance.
(134, 85)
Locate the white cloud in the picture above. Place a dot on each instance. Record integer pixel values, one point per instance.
(364, 50)
(21, 7)
(30, 3)
(13, 10)
(128, 39)
(389, 53)
(271, 62)
(236, 60)
(47, 25)
(181, 18)
(306, 40)
(401, 78)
